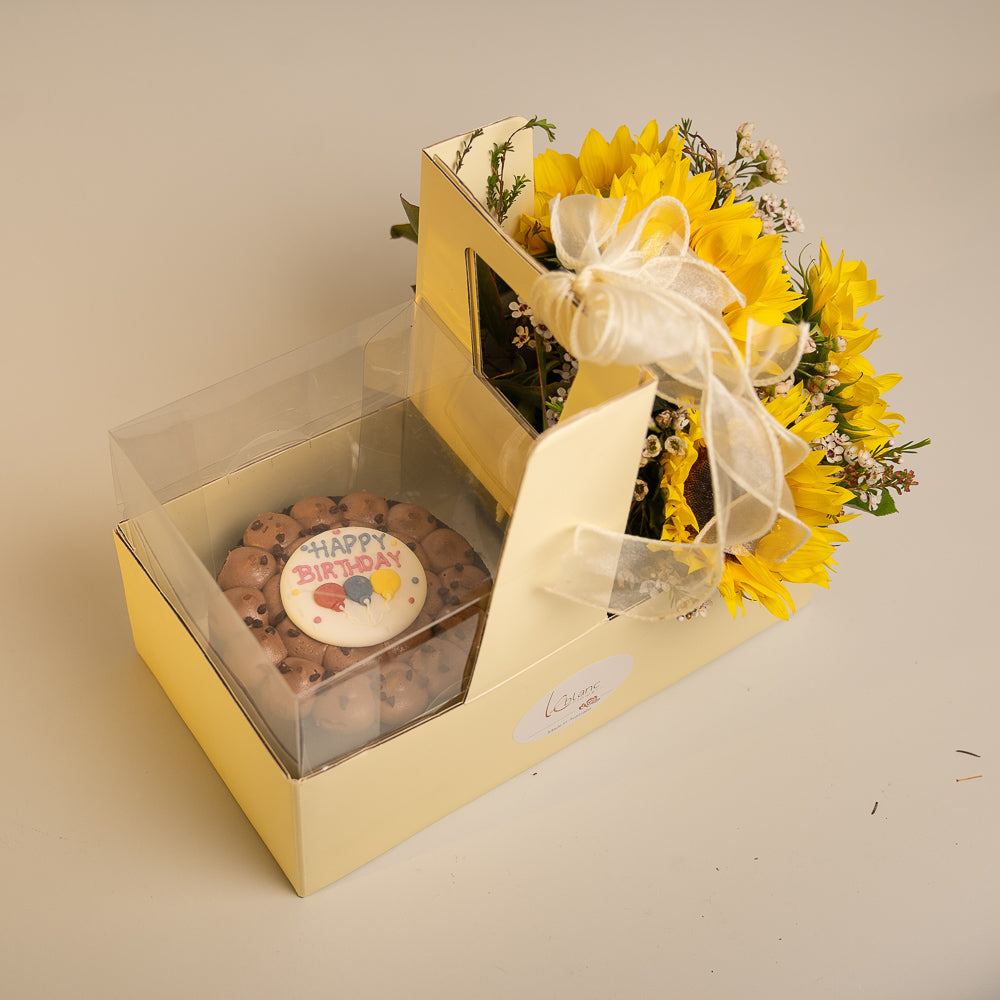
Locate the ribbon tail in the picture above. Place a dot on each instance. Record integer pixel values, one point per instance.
(773, 353)
(638, 577)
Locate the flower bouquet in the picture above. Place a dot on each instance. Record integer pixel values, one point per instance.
(770, 428)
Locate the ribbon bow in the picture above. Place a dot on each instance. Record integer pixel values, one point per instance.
(640, 296)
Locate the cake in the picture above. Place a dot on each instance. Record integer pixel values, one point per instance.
(379, 594)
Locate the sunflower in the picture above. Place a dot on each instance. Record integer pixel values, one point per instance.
(753, 573)
(835, 400)
(641, 169)
(837, 292)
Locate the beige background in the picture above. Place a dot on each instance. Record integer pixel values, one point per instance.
(189, 188)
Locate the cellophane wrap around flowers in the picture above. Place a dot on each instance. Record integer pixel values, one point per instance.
(636, 294)
(685, 243)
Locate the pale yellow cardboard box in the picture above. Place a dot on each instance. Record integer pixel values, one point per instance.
(548, 671)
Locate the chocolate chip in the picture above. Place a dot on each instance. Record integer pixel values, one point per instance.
(279, 537)
(257, 525)
(261, 609)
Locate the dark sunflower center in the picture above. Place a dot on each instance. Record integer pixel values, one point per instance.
(698, 490)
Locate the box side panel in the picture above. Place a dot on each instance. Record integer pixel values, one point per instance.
(265, 793)
(581, 471)
(486, 438)
(369, 803)
(453, 221)
(464, 411)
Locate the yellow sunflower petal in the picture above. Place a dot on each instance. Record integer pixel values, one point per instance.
(556, 173)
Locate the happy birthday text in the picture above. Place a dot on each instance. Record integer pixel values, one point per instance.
(355, 560)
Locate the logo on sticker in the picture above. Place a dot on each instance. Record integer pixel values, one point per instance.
(576, 697)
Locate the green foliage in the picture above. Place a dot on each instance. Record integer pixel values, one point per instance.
(410, 229)
(887, 505)
(460, 159)
(894, 453)
(499, 197)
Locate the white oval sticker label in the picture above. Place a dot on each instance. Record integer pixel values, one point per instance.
(573, 699)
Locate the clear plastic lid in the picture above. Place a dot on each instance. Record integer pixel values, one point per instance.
(337, 420)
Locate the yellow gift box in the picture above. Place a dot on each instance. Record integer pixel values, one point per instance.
(396, 406)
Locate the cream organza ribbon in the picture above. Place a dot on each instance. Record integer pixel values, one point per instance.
(640, 296)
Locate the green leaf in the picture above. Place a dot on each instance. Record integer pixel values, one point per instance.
(535, 122)
(410, 229)
(412, 214)
(898, 451)
(516, 392)
(843, 424)
(403, 231)
(887, 505)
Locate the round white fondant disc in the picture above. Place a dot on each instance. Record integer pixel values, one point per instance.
(387, 590)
